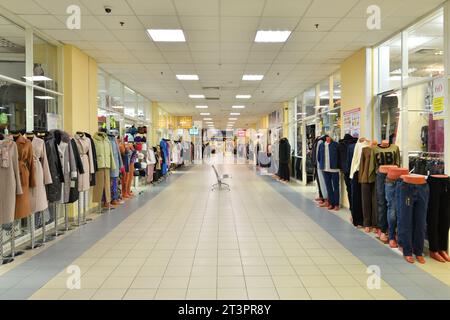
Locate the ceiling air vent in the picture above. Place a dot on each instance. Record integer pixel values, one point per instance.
(211, 88)
(212, 98)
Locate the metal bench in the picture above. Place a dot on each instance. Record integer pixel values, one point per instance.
(220, 184)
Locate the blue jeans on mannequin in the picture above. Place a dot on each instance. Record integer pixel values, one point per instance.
(412, 216)
(332, 184)
(391, 200)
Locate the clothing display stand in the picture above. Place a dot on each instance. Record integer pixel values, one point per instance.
(33, 243)
(67, 226)
(56, 232)
(14, 253)
(3, 260)
(45, 237)
(85, 207)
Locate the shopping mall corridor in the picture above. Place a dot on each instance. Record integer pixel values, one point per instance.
(262, 240)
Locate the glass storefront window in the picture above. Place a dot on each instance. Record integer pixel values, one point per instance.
(45, 63)
(425, 42)
(390, 64)
(130, 102)
(12, 106)
(389, 105)
(46, 111)
(12, 51)
(309, 100)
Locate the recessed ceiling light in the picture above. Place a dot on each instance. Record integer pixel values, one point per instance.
(232, 119)
(238, 107)
(207, 119)
(201, 107)
(243, 96)
(252, 77)
(197, 96)
(272, 36)
(44, 97)
(117, 107)
(187, 77)
(205, 114)
(235, 114)
(167, 35)
(37, 78)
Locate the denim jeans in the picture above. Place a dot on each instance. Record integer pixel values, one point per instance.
(412, 216)
(381, 202)
(321, 182)
(332, 184)
(391, 203)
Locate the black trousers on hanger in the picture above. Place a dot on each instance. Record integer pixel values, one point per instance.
(438, 217)
(356, 202)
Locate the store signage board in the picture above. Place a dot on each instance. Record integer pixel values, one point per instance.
(352, 121)
(193, 131)
(439, 99)
(241, 133)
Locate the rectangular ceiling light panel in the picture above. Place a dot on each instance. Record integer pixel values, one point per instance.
(243, 96)
(197, 96)
(252, 77)
(167, 35)
(272, 36)
(187, 77)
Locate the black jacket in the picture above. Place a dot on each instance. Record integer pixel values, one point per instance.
(343, 151)
(93, 182)
(74, 193)
(284, 151)
(54, 164)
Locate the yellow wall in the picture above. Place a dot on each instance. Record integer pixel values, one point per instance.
(80, 91)
(353, 78)
(285, 113)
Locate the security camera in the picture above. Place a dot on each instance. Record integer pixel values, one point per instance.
(108, 9)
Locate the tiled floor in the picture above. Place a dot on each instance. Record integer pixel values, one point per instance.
(262, 240)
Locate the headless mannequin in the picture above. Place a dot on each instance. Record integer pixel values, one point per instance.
(415, 180)
(440, 256)
(385, 143)
(395, 173)
(385, 169)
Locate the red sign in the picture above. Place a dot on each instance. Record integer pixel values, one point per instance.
(241, 133)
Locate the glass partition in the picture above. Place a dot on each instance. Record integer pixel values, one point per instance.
(45, 64)
(12, 51)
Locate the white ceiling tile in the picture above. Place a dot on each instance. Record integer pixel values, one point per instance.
(199, 23)
(204, 46)
(205, 56)
(59, 7)
(152, 7)
(64, 34)
(330, 8)
(272, 47)
(233, 36)
(286, 8)
(386, 6)
(290, 56)
(202, 35)
(160, 22)
(352, 24)
(324, 24)
(373, 37)
(148, 57)
(131, 35)
(239, 23)
(146, 45)
(197, 7)
(83, 45)
(254, 68)
(97, 8)
(341, 36)
(178, 57)
(176, 46)
(44, 21)
(114, 22)
(239, 8)
(305, 36)
(262, 56)
(299, 46)
(332, 46)
(236, 46)
(278, 23)
(96, 35)
(22, 7)
(234, 57)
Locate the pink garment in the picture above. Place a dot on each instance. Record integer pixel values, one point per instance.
(150, 170)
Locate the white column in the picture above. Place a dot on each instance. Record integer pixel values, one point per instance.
(447, 75)
(303, 130)
(29, 73)
(404, 106)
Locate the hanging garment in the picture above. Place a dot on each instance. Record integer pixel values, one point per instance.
(74, 192)
(103, 186)
(367, 179)
(104, 151)
(68, 163)
(38, 195)
(27, 177)
(438, 217)
(94, 157)
(85, 150)
(116, 155)
(10, 177)
(284, 155)
(54, 163)
(356, 160)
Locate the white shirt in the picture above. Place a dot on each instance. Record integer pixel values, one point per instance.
(356, 160)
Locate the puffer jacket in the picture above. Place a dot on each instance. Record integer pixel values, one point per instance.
(105, 156)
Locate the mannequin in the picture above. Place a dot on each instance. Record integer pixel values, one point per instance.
(413, 204)
(105, 163)
(391, 189)
(328, 162)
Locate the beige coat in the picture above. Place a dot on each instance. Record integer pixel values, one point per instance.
(104, 151)
(85, 150)
(10, 178)
(38, 195)
(27, 177)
